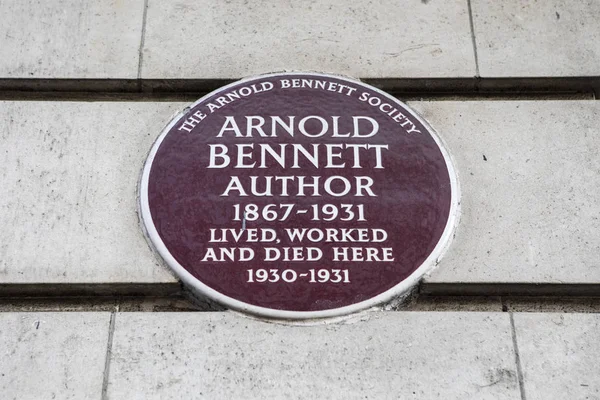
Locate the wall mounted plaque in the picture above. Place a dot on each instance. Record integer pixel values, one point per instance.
(299, 195)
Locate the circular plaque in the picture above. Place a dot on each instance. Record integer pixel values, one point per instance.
(299, 195)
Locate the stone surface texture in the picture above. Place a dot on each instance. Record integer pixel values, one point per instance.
(234, 39)
(375, 356)
(528, 172)
(529, 38)
(52, 355)
(559, 355)
(69, 173)
(70, 39)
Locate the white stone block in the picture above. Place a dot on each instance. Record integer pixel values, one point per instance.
(527, 38)
(52, 355)
(69, 173)
(375, 356)
(529, 173)
(70, 39)
(208, 39)
(559, 355)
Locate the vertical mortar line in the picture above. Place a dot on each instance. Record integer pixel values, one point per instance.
(517, 357)
(109, 344)
(142, 41)
(474, 42)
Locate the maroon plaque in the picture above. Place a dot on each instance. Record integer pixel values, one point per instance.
(298, 196)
